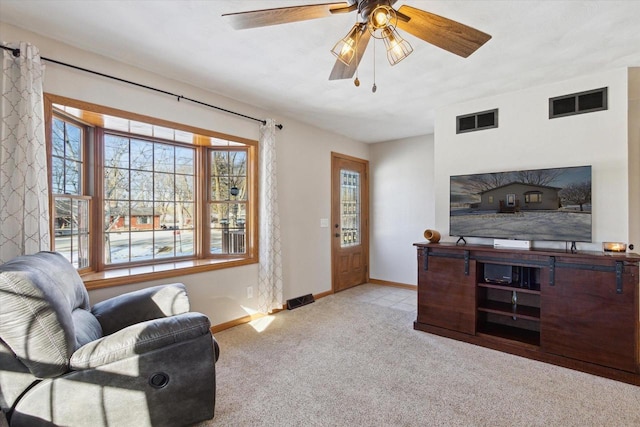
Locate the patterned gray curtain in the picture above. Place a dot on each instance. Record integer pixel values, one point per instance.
(24, 195)
(270, 269)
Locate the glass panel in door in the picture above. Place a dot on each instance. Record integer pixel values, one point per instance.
(349, 208)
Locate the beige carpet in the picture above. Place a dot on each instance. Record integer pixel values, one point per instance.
(342, 361)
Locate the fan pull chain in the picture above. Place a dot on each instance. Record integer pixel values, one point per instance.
(374, 88)
(357, 80)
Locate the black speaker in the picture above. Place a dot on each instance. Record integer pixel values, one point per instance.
(299, 301)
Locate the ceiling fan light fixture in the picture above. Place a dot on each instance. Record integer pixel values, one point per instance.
(397, 47)
(345, 49)
(381, 17)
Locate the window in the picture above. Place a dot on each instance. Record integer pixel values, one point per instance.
(70, 208)
(157, 192)
(228, 201)
(143, 178)
(533, 197)
(349, 208)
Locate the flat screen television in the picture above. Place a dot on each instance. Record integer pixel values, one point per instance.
(540, 204)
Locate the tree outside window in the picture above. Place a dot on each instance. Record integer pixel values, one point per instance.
(153, 193)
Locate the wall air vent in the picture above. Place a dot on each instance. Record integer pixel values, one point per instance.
(578, 103)
(477, 121)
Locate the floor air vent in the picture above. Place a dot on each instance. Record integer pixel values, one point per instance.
(299, 301)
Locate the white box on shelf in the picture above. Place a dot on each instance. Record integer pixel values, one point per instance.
(512, 244)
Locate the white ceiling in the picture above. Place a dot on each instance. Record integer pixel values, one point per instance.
(284, 69)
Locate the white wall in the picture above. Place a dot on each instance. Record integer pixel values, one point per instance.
(634, 158)
(304, 166)
(402, 206)
(527, 139)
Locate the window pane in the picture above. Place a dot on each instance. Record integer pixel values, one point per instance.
(140, 128)
(57, 138)
(116, 184)
(238, 189)
(238, 161)
(219, 163)
(349, 208)
(162, 132)
(182, 136)
(184, 188)
(165, 243)
(72, 177)
(227, 224)
(71, 227)
(166, 215)
(184, 160)
(186, 215)
(141, 155)
(164, 186)
(116, 151)
(57, 175)
(74, 140)
(116, 232)
(219, 188)
(141, 185)
(163, 158)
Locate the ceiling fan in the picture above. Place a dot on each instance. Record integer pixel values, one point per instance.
(380, 20)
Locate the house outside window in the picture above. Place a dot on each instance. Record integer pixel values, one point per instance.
(155, 193)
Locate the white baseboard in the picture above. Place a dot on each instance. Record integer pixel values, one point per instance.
(512, 244)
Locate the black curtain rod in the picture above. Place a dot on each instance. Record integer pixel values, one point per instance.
(16, 53)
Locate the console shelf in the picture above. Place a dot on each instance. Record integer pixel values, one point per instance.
(506, 309)
(491, 330)
(578, 310)
(508, 288)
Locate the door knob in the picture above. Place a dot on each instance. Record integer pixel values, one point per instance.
(337, 234)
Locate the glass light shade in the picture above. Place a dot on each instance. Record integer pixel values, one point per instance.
(397, 47)
(345, 49)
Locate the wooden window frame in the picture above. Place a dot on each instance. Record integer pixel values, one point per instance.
(100, 275)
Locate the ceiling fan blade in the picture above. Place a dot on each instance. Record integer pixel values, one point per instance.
(345, 9)
(283, 15)
(442, 32)
(342, 71)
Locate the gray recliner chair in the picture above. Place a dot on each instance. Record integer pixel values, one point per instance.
(139, 359)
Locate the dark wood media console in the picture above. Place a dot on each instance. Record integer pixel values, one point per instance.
(577, 310)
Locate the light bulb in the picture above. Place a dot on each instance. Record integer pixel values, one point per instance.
(380, 17)
(397, 47)
(344, 50)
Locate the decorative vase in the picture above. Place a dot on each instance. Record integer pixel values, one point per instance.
(432, 236)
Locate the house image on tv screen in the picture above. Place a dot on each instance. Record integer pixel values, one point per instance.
(539, 204)
(517, 196)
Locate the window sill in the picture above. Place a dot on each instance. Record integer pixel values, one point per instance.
(129, 275)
